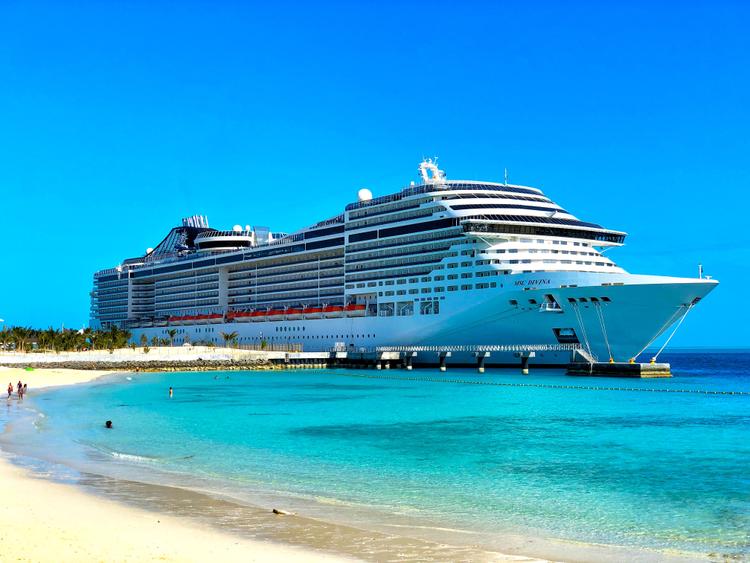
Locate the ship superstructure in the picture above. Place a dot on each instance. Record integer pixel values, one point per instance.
(441, 262)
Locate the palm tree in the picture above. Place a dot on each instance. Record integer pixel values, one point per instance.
(229, 337)
(172, 332)
(48, 338)
(21, 337)
(144, 341)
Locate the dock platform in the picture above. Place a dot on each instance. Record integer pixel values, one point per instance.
(620, 369)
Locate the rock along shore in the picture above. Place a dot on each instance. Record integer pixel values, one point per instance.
(196, 358)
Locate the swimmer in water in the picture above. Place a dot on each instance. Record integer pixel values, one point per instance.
(108, 424)
(171, 392)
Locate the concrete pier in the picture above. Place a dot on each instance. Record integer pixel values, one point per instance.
(209, 358)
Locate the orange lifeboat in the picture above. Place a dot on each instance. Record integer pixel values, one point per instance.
(312, 312)
(355, 310)
(330, 311)
(294, 313)
(276, 314)
(256, 316)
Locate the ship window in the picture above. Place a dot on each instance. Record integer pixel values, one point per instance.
(439, 278)
(401, 281)
(606, 299)
(452, 288)
(452, 276)
(582, 299)
(413, 291)
(439, 289)
(466, 287)
(532, 301)
(467, 275)
(401, 292)
(426, 290)
(453, 265)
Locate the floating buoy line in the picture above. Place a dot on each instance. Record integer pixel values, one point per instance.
(538, 385)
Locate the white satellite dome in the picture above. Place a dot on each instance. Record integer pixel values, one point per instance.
(149, 250)
(237, 228)
(364, 195)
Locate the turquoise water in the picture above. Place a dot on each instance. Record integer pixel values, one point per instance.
(644, 469)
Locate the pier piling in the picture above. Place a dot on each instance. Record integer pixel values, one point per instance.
(443, 358)
(480, 360)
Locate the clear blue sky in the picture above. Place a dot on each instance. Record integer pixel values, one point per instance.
(119, 118)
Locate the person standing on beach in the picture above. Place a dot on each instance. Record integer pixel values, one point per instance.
(10, 389)
(20, 389)
(25, 388)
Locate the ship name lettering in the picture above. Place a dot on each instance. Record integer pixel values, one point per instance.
(532, 282)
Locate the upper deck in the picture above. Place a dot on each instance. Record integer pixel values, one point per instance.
(476, 206)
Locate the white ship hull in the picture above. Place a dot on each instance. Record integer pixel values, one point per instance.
(634, 315)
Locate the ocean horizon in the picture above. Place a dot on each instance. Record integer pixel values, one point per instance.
(544, 465)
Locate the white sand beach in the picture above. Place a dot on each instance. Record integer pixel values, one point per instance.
(46, 521)
(41, 378)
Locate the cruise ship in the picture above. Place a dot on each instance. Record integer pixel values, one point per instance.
(441, 263)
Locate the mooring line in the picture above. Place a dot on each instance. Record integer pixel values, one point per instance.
(538, 385)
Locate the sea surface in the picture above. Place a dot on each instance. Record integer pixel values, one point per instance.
(537, 465)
